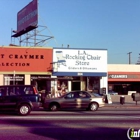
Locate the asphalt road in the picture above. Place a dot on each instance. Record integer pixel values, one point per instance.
(104, 124)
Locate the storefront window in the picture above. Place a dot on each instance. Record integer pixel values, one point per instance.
(41, 82)
(14, 80)
(62, 87)
(93, 84)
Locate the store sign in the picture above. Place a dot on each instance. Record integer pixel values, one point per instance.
(35, 77)
(28, 16)
(74, 60)
(118, 76)
(19, 57)
(14, 78)
(25, 59)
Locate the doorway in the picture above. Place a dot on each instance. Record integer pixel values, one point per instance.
(76, 86)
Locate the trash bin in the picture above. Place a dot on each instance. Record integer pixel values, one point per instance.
(133, 96)
(122, 100)
(105, 97)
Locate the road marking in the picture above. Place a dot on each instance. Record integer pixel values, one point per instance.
(71, 117)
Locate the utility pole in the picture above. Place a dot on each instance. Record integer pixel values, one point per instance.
(138, 62)
(129, 57)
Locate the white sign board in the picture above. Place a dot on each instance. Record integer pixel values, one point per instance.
(130, 92)
(109, 100)
(74, 60)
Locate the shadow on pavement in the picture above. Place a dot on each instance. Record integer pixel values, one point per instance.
(55, 130)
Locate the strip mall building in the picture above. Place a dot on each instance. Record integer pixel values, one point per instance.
(77, 69)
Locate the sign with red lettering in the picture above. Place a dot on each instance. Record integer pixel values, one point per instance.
(25, 59)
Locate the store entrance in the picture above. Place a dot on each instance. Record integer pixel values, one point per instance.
(41, 84)
(76, 86)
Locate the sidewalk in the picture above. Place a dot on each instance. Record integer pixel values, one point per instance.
(129, 103)
(125, 105)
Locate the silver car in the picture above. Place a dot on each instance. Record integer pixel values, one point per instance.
(75, 100)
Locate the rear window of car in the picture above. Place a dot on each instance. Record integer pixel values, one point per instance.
(2, 91)
(16, 90)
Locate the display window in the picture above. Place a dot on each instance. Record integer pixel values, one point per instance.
(93, 84)
(41, 82)
(14, 79)
(62, 87)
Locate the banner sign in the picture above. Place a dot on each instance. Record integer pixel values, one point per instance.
(78, 60)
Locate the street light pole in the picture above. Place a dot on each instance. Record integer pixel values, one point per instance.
(129, 57)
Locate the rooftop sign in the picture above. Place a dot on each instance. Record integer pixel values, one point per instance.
(28, 16)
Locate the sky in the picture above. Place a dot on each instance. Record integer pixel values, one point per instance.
(97, 24)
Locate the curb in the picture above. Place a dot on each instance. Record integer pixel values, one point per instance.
(122, 106)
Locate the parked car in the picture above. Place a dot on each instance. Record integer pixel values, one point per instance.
(21, 98)
(111, 92)
(75, 100)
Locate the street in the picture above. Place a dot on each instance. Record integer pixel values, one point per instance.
(104, 124)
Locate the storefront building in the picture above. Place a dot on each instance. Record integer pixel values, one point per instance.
(69, 68)
(25, 65)
(54, 69)
(124, 79)
(85, 68)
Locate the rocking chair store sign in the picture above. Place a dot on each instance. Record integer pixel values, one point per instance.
(73, 60)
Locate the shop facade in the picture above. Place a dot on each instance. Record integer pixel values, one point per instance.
(45, 68)
(86, 69)
(124, 79)
(25, 65)
(53, 69)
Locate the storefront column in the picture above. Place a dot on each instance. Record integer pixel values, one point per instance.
(69, 85)
(54, 83)
(1, 79)
(83, 83)
(103, 83)
(28, 79)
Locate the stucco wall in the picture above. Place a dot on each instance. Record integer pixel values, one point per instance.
(123, 68)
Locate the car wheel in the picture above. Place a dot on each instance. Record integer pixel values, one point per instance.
(24, 110)
(93, 107)
(53, 107)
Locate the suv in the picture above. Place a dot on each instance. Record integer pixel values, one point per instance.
(21, 98)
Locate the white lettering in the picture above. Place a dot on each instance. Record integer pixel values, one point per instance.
(118, 76)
